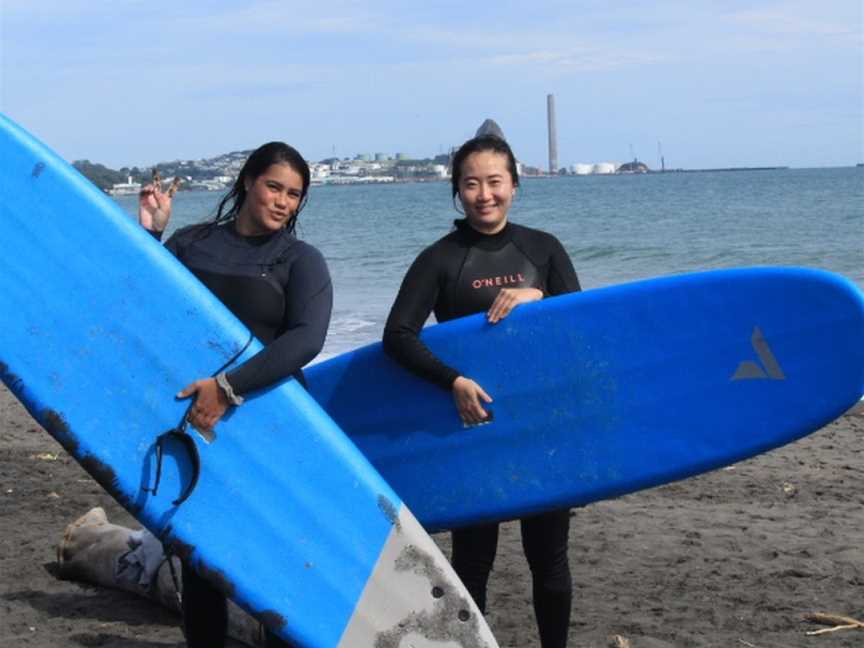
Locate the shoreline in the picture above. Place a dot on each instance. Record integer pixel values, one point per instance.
(734, 557)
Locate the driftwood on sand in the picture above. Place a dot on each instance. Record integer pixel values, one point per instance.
(96, 551)
(837, 621)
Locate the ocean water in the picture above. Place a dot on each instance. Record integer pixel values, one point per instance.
(615, 228)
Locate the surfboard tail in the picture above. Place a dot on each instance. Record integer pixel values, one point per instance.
(435, 609)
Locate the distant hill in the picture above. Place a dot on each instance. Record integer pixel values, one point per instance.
(223, 168)
(227, 164)
(105, 178)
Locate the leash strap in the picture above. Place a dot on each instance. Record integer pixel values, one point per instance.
(180, 433)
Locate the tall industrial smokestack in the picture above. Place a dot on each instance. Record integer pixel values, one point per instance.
(553, 134)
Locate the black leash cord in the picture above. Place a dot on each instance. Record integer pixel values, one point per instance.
(179, 432)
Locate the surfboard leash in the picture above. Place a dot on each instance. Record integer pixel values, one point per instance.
(180, 433)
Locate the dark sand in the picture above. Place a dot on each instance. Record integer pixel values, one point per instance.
(733, 558)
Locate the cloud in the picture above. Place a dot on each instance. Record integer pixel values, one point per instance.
(47, 9)
(288, 19)
(784, 22)
(582, 60)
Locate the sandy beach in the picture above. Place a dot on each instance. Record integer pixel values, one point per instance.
(733, 558)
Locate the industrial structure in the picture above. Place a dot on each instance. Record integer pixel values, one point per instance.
(553, 134)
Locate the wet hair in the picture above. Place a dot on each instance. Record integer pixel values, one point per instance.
(257, 163)
(482, 144)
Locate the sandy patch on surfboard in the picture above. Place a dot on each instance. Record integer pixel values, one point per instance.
(732, 558)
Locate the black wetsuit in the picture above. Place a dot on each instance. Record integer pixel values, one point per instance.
(280, 288)
(459, 275)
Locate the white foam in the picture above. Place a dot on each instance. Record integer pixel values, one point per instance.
(350, 324)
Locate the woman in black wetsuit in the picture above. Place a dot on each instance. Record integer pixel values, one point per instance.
(274, 283)
(461, 274)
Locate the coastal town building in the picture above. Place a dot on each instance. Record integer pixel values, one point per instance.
(125, 188)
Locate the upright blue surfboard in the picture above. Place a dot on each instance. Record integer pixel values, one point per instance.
(100, 327)
(606, 392)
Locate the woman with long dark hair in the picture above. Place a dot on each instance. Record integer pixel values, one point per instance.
(277, 285)
(451, 279)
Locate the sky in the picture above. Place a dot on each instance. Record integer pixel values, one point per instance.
(707, 83)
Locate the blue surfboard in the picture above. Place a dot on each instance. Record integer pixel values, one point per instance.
(101, 326)
(605, 392)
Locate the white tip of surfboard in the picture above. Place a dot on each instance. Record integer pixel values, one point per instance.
(414, 599)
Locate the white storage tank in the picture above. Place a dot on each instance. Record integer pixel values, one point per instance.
(604, 168)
